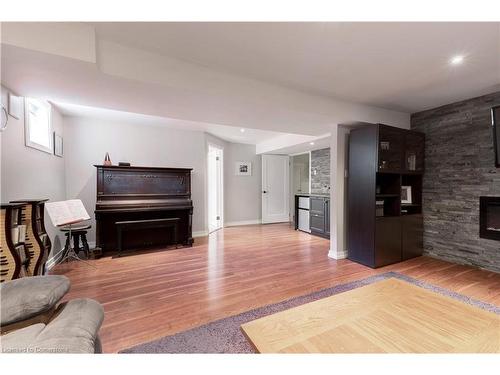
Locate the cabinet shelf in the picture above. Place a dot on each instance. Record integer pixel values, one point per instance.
(387, 195)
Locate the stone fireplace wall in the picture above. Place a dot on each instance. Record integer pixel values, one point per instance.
(460, 167)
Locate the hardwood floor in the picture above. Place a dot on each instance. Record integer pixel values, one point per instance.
(148, 295)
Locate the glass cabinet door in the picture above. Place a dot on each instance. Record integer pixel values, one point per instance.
(414, 152)
(390, 149)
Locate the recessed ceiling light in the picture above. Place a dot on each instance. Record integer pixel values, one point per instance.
(457, 60)
(242, 130)
(311, 143)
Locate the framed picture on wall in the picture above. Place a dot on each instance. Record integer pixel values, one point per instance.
(243, 168)
(58, 145)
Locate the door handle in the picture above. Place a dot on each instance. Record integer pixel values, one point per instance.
(264, 192)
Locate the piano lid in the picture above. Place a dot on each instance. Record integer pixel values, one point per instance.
(143, 186)
(131, 167)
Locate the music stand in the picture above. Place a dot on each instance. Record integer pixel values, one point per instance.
(66, 214)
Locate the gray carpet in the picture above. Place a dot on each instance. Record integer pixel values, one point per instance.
(224, 335)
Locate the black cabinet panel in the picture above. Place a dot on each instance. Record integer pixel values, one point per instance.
(317, 205)
(361, 194)
(317, 223)
(387, 240)
(319, 220)
(412, 236)
(327, 217)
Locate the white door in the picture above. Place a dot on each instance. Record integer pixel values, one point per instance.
(275, 188)
(215, 184)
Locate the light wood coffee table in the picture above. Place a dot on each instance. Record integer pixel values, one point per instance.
(389, 316)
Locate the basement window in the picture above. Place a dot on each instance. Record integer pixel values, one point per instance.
(38, 124)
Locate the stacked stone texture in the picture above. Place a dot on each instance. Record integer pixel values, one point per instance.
(459, 168)
(320, 162)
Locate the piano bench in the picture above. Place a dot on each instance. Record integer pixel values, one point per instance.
(122, 226)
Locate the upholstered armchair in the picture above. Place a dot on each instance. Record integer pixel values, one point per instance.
(33, 321)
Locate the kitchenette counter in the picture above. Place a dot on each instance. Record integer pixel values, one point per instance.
(323, 195)
(312, 213)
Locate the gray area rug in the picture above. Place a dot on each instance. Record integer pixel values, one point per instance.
(225, 336)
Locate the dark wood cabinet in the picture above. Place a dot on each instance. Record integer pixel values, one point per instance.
(387, 241)
(319, 212)
(327, 217)
(383, 228)
(412, 231)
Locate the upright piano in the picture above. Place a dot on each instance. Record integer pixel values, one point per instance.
(141, 194)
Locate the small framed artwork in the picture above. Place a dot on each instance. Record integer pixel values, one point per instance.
(243, 168)
(58, 145)
(406, 195)
(15, 106)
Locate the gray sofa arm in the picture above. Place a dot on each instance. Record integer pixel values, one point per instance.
(22, 299)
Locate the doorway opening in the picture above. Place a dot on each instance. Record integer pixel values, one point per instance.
(215, 188)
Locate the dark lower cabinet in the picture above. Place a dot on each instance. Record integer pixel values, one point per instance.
(319, 220)
(327, 217)
(387, 240)
(412, 234)
(317, 223)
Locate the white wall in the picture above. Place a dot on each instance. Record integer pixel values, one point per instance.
(243, 198)
(87, 141)
(338, 191)
(242, 194)
(30, 173)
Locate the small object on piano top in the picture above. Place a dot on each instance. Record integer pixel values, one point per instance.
(107, 160)
(123, 164)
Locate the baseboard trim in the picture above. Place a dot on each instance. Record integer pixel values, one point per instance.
(337, 254)
(52, 261)
(242, 222)
(202, 233)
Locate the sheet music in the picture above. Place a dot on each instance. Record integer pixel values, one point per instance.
(67, 212)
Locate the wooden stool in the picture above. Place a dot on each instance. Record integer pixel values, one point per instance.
(78, 233)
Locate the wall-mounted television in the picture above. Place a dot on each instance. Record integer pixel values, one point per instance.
(495, 121)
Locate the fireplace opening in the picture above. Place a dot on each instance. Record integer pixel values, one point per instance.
(489, 218)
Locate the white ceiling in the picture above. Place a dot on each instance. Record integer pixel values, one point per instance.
(279, 78)
(398, 66)
(227, 133)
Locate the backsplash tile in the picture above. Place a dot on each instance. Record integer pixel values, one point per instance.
(320, 171)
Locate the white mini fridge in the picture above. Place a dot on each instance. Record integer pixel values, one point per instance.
(303, 219)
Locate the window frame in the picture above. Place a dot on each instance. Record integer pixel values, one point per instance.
(27, 127)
